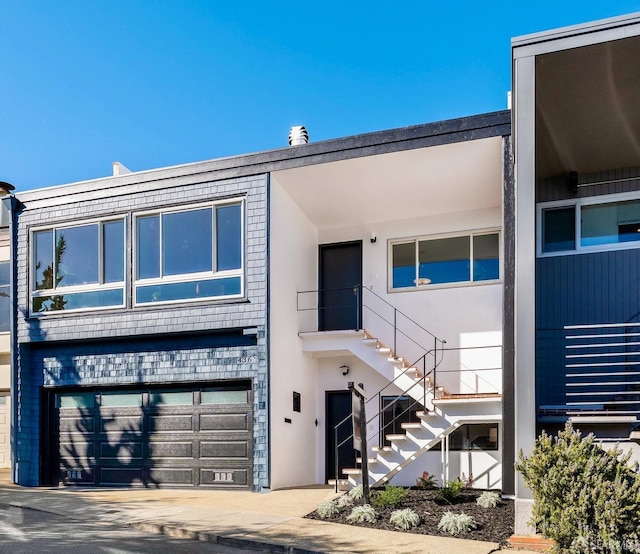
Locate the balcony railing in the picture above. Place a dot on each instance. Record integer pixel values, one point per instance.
(603, 370)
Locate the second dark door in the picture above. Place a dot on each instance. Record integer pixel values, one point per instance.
(339, 282)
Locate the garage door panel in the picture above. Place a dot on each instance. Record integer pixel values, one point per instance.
(171, 423)
(121, 475)
(224, 476)
(172, 475)
(122, 451)
(160, 450)
(76, 450)
(131, 424)
(224, 422)
(224, 449)
(77, 424)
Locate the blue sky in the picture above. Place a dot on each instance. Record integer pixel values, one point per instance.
(165, 82)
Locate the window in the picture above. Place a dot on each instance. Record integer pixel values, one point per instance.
(78, 267)
(396, 410)
(475, 436)
(433, 261)
(190, 254)
(590, 224)
(5, 303)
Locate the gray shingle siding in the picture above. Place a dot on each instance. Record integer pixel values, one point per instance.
(153, 345)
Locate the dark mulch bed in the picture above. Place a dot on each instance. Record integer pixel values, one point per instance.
(494, 524)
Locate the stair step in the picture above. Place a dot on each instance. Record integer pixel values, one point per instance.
(341, 483)
(352, 471)
(399, 360)
(381, 449)
(396, 437)
(427, 413)
(371, 342)
(384, 350)
(369, 460)
(415, 372)
(411, 425)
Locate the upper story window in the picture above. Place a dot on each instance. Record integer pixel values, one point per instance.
(466, 258)
(588, 225)
(77, 267)
(5, 305)
(190, 254)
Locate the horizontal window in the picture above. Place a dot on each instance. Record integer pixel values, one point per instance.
(77, 267)
(588, 225)
(474, 436)
(432, 261)
(189, 254)
(224, 396)
(171, 398)
(229, 286)
(76, 400)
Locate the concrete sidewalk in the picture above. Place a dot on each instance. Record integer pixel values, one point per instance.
(272, 522)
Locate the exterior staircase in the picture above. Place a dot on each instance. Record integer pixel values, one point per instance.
(439, 413)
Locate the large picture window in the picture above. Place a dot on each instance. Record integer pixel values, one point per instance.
(78, 266)
(467, 258)
(589, 224)
(189, 254)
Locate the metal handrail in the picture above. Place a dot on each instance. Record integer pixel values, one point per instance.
(438, 344)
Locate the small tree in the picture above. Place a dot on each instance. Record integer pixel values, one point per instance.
(586, 499)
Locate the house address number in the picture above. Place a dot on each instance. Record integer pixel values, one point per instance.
(246, 360)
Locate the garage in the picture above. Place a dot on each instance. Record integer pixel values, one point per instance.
(196, 437)
(5, 429)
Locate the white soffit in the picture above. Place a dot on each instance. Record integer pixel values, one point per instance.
(455, 177)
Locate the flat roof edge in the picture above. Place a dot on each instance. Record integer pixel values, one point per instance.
(271, 160)
(574, 30)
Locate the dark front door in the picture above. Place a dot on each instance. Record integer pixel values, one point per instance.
(338, 408)
(340, 279)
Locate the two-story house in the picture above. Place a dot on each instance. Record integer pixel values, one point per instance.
(198, 325)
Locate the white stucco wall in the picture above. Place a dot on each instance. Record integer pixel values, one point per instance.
(464, 315)
(293, 267)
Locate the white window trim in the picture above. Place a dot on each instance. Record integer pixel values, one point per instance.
(191, 277)
(456, 284)
(577, 204)
(90, 287)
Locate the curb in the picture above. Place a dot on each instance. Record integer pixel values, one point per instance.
(253, 544)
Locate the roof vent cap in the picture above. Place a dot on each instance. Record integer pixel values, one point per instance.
(298, 135)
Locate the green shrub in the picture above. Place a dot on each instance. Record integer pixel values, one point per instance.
(327, 509)
(345, 501)
(586, 499)
(488, 499)
(449, 492)
(427, 481)
(390, 497)
(454, 524)
(357, 493)
(363, 514)
(404, 519)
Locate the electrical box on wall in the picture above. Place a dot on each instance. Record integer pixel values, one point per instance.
(296, 401)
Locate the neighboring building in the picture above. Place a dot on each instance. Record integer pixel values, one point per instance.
(5, 339)
(183, 326)
(575, 217)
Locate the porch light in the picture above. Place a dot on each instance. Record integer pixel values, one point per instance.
(422, 281)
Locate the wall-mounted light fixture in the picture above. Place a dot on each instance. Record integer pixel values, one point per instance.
(345, 369)
(373, 237)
